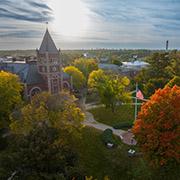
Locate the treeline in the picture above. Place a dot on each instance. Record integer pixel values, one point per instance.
(69, 55)
(164, 68)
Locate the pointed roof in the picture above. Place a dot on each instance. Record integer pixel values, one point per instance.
(48, 44)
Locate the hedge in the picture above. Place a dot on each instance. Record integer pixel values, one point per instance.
(123, 125)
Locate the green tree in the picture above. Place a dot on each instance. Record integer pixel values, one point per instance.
(116, 60)
(157, 74)
(77, 77)
(110, 88)
(40, 155)
(174, 81)
(44, 134)
(174, 67)
(86, 66)
(10, 95)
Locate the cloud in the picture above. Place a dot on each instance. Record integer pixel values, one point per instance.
(39, 5)
(20, 34)
(167, 27)
(25, 11)
(8, 27)
(146, 19)
(113, 23)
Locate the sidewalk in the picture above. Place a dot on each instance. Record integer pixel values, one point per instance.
(92, 106)
(126, 136)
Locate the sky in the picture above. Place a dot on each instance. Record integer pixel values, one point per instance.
(85, 24)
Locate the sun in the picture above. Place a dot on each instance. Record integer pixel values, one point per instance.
(70, 17)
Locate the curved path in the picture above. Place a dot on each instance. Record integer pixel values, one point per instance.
(126, 136)
(90, 121)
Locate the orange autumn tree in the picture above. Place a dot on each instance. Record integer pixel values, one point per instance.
(157, 128)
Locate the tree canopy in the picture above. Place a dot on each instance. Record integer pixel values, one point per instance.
(10, 95)
(86, 66)
(42, 138)
(58, 111)
(111, 88)
(157, 127)
(174, 81)
(163, 67)
(41, 154)
(78, 79)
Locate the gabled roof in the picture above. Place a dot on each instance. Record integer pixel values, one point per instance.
(48, 44)
(28, 73)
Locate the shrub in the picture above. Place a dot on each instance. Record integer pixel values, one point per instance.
(123, 125)
(107, 137)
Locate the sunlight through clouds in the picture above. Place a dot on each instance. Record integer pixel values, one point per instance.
(70, 17)
(90, 23)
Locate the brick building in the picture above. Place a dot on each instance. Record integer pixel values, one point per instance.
(44, 74)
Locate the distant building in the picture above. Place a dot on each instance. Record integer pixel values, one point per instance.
(131, 69)
(138, 65)
(44, 74)
(88, 55)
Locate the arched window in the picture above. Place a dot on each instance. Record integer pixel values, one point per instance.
(34, 91)
(66, 85)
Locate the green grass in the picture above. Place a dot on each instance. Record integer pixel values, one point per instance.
(98, 161)
(123, 113)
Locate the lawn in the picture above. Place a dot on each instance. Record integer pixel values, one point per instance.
(123, 113)
(98, 161)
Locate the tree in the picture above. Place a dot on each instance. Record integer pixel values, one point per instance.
(153, 84)
(174, 67)
(10, 95)
(86, 66)
(44, 134)
(77, 76)
(116, 60)
(110, 88)
(40, 155)
(96, 77)
(157, 74)
(58, 111)
(174, 81)
(157, 127)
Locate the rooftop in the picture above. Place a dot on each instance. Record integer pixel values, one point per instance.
(48, 44)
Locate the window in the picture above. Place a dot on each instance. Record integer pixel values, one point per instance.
(34, 91)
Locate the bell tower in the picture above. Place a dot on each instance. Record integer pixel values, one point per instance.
(49, 64)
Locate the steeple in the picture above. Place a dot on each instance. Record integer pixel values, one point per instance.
(49, 64)
(48, 44)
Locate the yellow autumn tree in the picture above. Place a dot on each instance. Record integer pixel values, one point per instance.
(57, 111)
(10, 95)
(86, 66)
(77, 76)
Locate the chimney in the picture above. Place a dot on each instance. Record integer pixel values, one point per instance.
(167, 45)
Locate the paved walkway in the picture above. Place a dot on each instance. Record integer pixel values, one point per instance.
(93, 105)
(89, 121)
(126, 136)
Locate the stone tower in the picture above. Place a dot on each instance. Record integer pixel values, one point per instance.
(49, 64)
